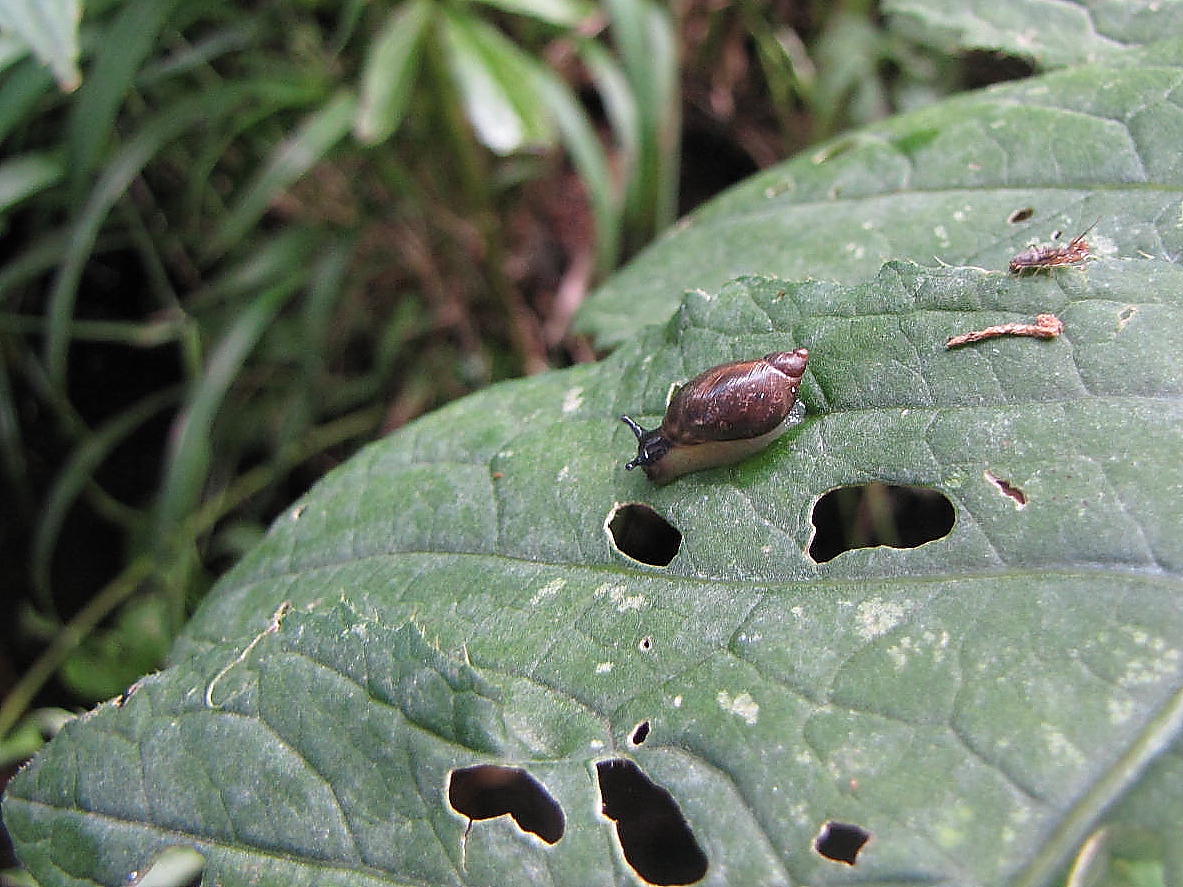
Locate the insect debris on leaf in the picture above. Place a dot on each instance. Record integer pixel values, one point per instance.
(1043, 256)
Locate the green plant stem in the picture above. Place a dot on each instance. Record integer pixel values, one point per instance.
(151, 334)
(477, 193)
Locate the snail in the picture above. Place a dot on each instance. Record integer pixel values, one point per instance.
(722, 416)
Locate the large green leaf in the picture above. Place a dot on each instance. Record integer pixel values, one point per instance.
(1052, 33)
(976, 703)
(982, 705)
(939, 185)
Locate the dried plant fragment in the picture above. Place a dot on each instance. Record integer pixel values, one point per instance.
(1046, 326)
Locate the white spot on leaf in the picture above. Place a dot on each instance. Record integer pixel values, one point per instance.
(1120, 711)
(876, 617)
(619, 596)
(1061, 748)
(743, 706)
(572, 400)
(548, 591)
(1159, 661)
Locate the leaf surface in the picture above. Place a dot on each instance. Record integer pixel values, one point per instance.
(938, 186)
(975, 703)
(1051, 33)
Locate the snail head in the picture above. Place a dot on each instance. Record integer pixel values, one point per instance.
(651, 445)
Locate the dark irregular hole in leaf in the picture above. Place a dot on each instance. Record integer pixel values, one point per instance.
(641, 533)
(645, 644)
(654, 836)
(1021, 215)
(1008, 489)
(981, 67)
(640, 733)
(841, 841)
(487, 791)
(869, 515)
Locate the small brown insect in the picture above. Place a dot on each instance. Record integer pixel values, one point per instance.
(1044, 256)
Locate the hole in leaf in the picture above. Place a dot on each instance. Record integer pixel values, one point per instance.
(645, 644)
(488, 791)
(1021, 215)
(869, 515)
(1008, 489)
(841, 841)
(654, 836)
(641, 533)
(640, 733)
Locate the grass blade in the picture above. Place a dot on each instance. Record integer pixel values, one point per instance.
(135, 153)
(79, 471)
(21, 177)
(130, 39)
(649, 53)
(581, 141)
(189, 455)
(494, 79)
(291, 160)
(391, 66)
(21, 88)
(563, 13)
(50, 28)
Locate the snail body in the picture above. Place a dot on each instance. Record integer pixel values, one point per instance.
(722, 416)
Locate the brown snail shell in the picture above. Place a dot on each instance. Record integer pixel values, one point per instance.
(722, 416)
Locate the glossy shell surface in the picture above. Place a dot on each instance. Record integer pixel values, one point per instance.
(737, 400)
(723, 415)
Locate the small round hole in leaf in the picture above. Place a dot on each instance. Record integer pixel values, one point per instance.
(488, 791)
(874, 514)
(654, 836)
(639, 532)
(841, 841)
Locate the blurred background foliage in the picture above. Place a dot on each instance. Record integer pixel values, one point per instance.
(242, 237)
